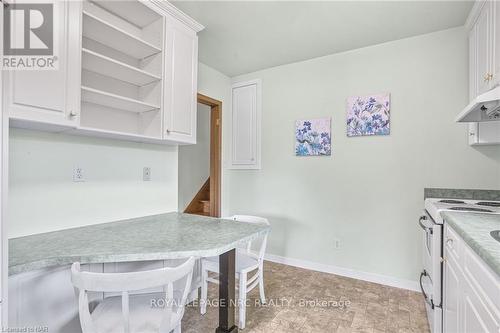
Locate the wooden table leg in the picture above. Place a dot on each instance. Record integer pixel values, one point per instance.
(227, 299)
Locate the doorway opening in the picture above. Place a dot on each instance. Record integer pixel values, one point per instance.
(200, 164)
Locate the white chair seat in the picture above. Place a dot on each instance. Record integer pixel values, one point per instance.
(144, 318)
(244, 263)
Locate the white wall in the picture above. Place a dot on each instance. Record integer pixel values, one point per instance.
(43, 197)
(194, 160)
(369, 193)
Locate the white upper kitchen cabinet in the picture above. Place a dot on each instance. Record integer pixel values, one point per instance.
(484, 64)
(246, 114)
(483, 31)
(483, 47)
(128, 71)
(181, 68)
(496, 42)
(50, 96)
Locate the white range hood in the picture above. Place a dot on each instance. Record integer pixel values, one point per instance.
(485, 107)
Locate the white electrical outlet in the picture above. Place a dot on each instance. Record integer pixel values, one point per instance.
(146, 174)
(336, 243)
(78, 175)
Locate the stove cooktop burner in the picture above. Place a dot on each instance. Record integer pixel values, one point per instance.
(488, 203)
(456, 202)
(472, 209)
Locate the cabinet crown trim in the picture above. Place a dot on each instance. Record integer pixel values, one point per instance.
(178, 14)
(474, 14)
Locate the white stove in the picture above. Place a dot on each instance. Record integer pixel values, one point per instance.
(432, 226)
(435, 206)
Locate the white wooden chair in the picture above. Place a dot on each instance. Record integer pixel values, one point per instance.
(246, 262)
(139, 313)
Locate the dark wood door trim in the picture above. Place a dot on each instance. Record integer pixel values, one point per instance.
(215, 151)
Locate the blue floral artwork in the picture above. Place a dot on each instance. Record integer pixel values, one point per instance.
(368, 115)
(313, 137)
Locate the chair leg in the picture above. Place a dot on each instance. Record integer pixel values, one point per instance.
(243, 300)
(261, 285)
(204, 291)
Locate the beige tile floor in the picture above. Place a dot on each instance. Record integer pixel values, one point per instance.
(368, 307)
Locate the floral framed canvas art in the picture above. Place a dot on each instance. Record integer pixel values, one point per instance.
(368, 115)
(313, 137)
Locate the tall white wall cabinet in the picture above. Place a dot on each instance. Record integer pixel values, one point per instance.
(246, 125)
(127, 70)
(484, 64)
(470, 296)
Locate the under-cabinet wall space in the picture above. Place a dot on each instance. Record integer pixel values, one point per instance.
(122, 68)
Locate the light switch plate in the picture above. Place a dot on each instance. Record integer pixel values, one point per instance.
(146, 174)
(78, 175)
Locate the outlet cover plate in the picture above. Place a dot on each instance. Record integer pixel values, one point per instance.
(146, 174)
(78, 175)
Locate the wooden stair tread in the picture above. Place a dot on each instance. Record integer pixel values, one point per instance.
(201, 202)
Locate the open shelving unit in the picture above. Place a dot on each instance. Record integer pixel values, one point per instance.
(122, 76)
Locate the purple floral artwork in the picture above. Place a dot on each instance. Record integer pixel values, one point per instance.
(313, 137)
(368, 115)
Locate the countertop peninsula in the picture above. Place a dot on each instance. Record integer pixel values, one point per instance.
(157, 237)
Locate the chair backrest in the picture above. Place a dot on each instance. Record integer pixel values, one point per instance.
(133, 281)
(256, 220)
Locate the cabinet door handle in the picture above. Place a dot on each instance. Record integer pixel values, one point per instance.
(449, 242)
(73, 114)
(488, 77)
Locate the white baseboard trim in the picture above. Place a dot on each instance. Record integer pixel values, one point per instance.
(347, 272)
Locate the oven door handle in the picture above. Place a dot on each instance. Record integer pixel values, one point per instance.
(426, 298)
(422, 225)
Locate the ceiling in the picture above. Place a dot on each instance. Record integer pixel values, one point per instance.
(245, 36)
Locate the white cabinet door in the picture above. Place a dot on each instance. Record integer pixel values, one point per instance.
(473, 63)
(476, 317)
(181, 70)
(51, 96)
(44, 298)
(483, 52)
(451, 297)
(246, 113)
(496, 42)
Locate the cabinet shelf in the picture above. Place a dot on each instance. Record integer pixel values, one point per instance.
(117, 135)
(116, 38)
(101, 64)
(104, 98)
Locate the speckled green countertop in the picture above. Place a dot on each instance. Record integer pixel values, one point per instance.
(157, 237)
(475, 229)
